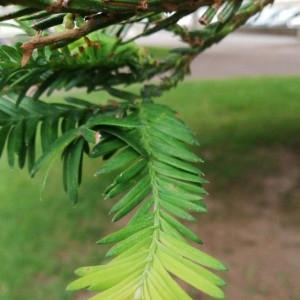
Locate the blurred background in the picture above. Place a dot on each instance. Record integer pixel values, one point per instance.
(243, 101)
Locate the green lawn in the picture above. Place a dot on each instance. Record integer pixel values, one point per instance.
(43, 241)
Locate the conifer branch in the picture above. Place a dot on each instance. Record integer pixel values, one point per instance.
(158, 184)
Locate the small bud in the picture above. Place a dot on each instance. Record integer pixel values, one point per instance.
(69, 21)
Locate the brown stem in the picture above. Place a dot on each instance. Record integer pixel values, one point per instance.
(55, 6)
(91, 25)
(116, 6)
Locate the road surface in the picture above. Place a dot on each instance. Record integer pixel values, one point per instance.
(241, 55)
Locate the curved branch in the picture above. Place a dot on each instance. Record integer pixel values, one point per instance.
(66, 36)
(55, 6)
(119, 6)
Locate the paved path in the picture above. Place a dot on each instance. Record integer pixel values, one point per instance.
(243, 55)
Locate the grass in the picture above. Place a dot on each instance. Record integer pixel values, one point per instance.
(42, 239)
(42, 242)
(241, 113)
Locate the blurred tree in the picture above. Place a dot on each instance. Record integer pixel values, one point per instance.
(85, 44)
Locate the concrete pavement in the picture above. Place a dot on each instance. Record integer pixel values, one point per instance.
(249, 55)
(241, 55)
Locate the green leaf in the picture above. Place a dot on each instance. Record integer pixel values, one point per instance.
(31, 153)
(172, 172)
(154, 290)
(189, 275)
(134, 201)
(118, 287)
(175, 192)
(58, 146)
(11, 145)
(126, 257)
(36, 108)
(68, 123)
(180, 186)
(118, 161)
(125, 289)
(192, 253)
(173, 148)
(19, 137)
(134, 196)
(106, 146)
(65, 157)
(143, 211)
(177, 200)
(135, 169)
(167, 119)
(91, 136)
(167, 286)
(22, 155)
(129, 138)
(121, 94)
(78, 101)
(12, 53)
(171, 231)
(117, 188)
(193, 266)
(111, 121)
(4, 133)
(137, 241)
(181, 228)
(30, 129)
(177, 211)
(172, 161)
(35, 76)
(107, 277)
(177, 132)
(125, 232)
(9, 108)
(48, 82)
(49, 132)
(130, 254)
(73, 169)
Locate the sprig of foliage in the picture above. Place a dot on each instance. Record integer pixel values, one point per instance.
(96, 62)
(65, 129)
(92, 65)
(156, 169)
(20, 126)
